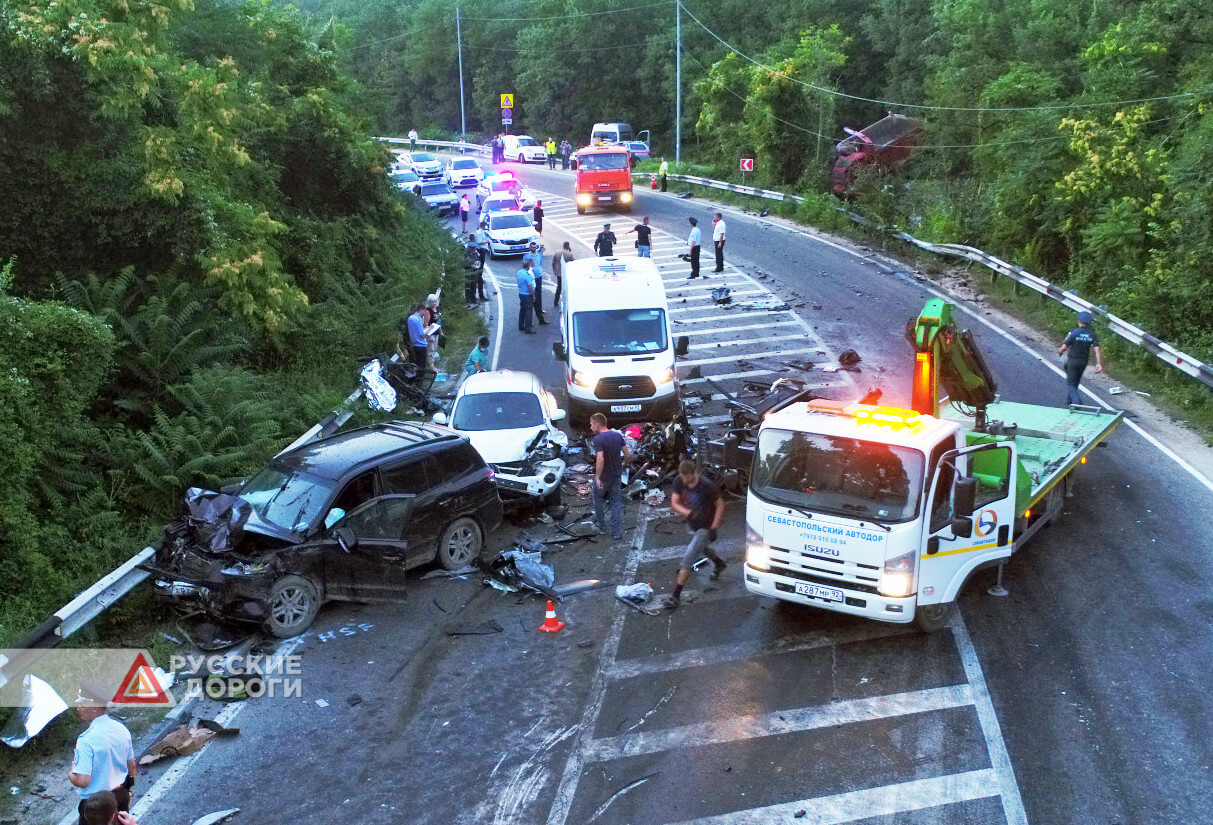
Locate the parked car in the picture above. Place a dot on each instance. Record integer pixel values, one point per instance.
(406, 179)
(425, 165)
(504, 182)
(510, 232)
(639, 150)
(511, 421)
(463, 172)
(439, 197)
(338, 518)
(523, 149)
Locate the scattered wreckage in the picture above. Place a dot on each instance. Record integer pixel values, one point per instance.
(338, 518)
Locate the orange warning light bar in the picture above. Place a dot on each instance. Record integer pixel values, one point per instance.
(891, 416)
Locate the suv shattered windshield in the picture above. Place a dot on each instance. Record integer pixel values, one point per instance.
(290, 500)
(844, 476)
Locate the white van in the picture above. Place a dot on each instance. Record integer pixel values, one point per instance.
(615, 341)
(611, 133)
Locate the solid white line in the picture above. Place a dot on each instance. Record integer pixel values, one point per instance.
(500, 316)
(795, 720)
(567, 789)
(746, 342)
(749, 356)
(1000, 760)
(888, 800)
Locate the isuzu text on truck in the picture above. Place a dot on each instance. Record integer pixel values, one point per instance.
(885, 512)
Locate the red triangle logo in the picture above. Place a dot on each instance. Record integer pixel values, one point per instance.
(140, 686)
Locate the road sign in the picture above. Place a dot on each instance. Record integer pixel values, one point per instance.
(747, 164)
(507, 101)
(507, 112)
(507, 121)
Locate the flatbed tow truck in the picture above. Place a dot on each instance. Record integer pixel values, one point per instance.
(885, 512)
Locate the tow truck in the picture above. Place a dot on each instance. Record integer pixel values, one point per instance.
(886, 512)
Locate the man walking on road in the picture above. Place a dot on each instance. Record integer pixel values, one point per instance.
(609, 451)
(105, 757)
(718, 241)
(566, 149)
(662, 172)
(537, 213)
(644, 237)
(535, 256)
(465, 209)
(604, 244)
(412, 140)
(526, 298)
(699, 502)
(1079, 344)
(558, 261)
(693, 247)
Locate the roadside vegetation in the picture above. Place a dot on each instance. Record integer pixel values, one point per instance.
(198, 242)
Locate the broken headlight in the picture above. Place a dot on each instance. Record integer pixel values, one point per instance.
(241, 568)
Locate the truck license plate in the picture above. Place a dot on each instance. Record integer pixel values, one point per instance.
(625, 408)
(818, 592)
(604, 197)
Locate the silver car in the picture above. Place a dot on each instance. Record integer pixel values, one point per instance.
(439, 197)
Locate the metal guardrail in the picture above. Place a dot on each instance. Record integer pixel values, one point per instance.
(460, 145)
(1166, 353)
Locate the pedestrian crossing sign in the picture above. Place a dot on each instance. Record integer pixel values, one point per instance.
(507, 100)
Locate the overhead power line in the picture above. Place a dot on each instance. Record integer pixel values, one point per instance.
(588, 49)
(563, 16)
(896, 104)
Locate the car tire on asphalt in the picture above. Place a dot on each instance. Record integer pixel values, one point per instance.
(934, 617)
(460, 544)
(293, 604)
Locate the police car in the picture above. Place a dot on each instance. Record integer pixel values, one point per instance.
(505, 183)
(510, 232)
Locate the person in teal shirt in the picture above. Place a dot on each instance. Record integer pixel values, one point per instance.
(478, 359)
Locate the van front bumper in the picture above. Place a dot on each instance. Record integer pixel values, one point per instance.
(622, 410)
(855, 602)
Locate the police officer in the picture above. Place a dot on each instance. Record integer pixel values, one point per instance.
(1078, 345)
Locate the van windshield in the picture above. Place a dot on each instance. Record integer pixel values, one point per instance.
(843, 476)
(619, 331)
(609, 160)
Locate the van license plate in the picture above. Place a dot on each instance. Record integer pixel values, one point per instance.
(625, 408)
(818, 592)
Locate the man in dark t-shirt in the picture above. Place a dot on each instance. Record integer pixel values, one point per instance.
(697, 500)
(644, 238)
(609, 451)
(1076, 350)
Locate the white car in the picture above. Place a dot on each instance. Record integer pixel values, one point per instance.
(425, 165)
(463, 172)
(510, 232)
(501, 202)
(511, 421)
(523, 149)
(505, 183)
(405, 179)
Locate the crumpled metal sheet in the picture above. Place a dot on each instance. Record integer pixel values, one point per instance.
(379, 393)
(515, 568)
(218, 518)
(39, 705)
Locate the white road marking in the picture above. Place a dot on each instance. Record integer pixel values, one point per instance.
(704, 320)
(500, 316)
(749, 356)
(746, 342)
(795, 720)
(704, 420)
(725, 376)
(718, 330)
(888, 800)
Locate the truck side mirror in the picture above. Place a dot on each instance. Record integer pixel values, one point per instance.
(682, 345)
(558, 350)
(964, 496)
(962, 527)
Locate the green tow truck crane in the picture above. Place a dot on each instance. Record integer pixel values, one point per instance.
(885, 512)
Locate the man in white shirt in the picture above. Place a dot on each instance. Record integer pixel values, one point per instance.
(105, 757)
(718, 241)
(693, 246)
(412, 140)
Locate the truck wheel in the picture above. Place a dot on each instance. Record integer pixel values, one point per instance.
(580, 209)
(460, 544)
(293, 605)
(934, 617)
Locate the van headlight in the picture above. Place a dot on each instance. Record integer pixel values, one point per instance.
(583, 199)
(626, 197)
(897, 578)
(757, 554)
(583, 378)
(663, 376)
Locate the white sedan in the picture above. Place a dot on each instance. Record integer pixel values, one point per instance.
(463, 172)
(511, 421)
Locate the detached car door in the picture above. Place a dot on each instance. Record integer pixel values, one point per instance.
(372, 566)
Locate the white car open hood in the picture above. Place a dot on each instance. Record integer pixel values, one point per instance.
(501, 446)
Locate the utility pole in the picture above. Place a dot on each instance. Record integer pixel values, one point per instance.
(677, 83)
(463, 126)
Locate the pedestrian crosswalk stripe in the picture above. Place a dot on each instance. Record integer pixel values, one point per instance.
(746, 342)
(718, 330)
(720, 359)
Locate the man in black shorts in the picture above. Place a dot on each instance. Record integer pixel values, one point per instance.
(698, 501)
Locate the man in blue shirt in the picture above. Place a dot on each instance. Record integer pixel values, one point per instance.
(526, 297)
(1079, 344)
(417, 340)
(105, 758)
(535, 256)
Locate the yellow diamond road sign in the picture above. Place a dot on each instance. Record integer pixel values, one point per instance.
(507, 101)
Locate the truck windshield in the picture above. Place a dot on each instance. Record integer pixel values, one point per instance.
(286, 498)
(619, 331)
(608, 160)
(497, 411)
(843, 476)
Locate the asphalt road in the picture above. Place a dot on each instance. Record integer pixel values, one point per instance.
(1079, 698)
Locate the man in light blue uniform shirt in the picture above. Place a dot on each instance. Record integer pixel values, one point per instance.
(105, 757)
(526, 297)
(535, 256)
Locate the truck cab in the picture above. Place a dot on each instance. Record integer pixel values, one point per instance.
(615, 341)
(604, 177)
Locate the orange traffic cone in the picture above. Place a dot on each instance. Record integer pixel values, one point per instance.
(653, 182)
(550, 623)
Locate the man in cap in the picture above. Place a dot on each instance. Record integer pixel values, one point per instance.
(1076, 350)
(105, 757)
(604, 244)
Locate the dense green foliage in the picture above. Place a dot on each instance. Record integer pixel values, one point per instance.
(1113, 200)
(200, 243)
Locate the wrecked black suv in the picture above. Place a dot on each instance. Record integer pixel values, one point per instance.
(339, 518)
